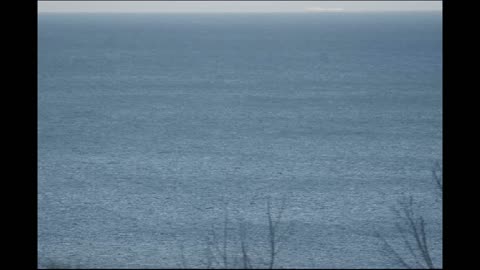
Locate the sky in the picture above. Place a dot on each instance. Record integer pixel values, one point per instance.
(237, 6)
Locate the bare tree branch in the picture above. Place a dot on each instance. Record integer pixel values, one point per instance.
(219, 253)
(436, 177)
(391, 251)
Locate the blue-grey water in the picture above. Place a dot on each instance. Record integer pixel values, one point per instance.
(150, 126)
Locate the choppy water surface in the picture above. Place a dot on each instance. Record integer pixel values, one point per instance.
(148, 125)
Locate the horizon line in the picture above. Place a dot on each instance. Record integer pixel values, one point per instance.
(220, 12)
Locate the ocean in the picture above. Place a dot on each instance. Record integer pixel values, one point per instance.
(155, 129)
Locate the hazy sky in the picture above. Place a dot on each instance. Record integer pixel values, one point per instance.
(236, 6)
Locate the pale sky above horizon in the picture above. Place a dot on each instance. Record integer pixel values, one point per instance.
(237, 6)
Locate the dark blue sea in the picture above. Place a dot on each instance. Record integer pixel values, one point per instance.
(155, 129)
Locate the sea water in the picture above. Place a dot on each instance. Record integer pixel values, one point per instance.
(155, 129)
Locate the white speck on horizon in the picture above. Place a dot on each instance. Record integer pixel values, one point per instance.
(319, 9)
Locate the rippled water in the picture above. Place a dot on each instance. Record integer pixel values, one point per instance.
(148, 125)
